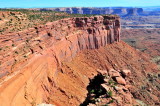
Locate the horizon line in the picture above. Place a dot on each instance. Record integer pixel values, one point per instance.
(79, 7)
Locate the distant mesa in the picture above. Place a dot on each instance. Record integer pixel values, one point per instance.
(122, 11)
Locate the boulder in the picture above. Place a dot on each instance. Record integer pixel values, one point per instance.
(103, 72)
(43, 104)
(90, 104)
(120, 80)
(126, 72)
(114, 73)
(106, 80)
(107, 88)
(118, 89)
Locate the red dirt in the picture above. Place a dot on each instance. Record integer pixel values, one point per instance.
(73, 78)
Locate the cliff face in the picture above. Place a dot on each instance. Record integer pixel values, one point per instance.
(67, 36)
(30, 60)
(134, 12)
(55, 62)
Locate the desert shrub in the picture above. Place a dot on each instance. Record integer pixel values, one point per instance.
(143, 49)
(25, 56)
(131, 42)
(111, 101)
(16, 52)
(13, 45)
(109, 93)
(156, 59)
(92, 91)
(112, 83)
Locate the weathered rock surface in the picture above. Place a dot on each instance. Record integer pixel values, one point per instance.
(36, 69)
(30, 60)
(114, 73)
(65, 38)
(126, 72)
(45, 104)
(121, 80)
(120, 84)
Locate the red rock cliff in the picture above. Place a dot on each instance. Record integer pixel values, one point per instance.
(65, 37)
(32, 58)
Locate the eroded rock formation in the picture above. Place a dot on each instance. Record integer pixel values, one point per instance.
(64, 37)
(104, 10)
(30, 60)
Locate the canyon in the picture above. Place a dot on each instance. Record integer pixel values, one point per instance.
(76, 34)
(31, 59)
(131, 17)
(56, 62)
(122, 11)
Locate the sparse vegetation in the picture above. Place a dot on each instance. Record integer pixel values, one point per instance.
(22, 18)
(7, 46)
(109, 94)
(13, 45)
(112, 83)
(156, 60)
(143, 49)
(111, 101)
(25, 56)
(16, 52)
(94, 90)
(131, 42)
(27, 40)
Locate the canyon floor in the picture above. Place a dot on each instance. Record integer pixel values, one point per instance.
(146, 40)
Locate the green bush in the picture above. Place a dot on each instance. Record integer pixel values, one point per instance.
(109, 94)
(16, 52)
(13, 45)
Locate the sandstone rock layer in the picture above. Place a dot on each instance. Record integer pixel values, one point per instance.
(30, 60)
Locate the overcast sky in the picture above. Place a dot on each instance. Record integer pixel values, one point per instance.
(76, 3)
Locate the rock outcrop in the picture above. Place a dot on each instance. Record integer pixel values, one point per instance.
(30, 60)
(64, 38)
(55, 63)
(116, 89)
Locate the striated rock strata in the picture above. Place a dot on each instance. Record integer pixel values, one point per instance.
(122, 11)
(30, 60)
